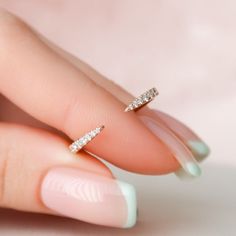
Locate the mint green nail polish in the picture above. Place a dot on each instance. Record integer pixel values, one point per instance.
(200, 149)
(190, 171)
(193, 169)
(129, 193)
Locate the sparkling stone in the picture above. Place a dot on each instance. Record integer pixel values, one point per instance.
(80, 143)
(88, 137)
(142, 99)
(74, 148)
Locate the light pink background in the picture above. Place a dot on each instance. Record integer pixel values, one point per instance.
(187, 50)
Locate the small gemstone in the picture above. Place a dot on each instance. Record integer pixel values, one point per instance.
(142, 99)
(82, 142)
(139, 101)
(88, 137)
(74, 147)
(93, 133)
(97, 130)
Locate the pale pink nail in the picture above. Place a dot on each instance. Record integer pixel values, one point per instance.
(194, 143)
(89, 197)
(177, 147)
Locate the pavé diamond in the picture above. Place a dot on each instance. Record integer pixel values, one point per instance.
(80, 143)
(142, 100)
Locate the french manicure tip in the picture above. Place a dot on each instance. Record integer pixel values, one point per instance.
(193, 169)
(129, 193)
(190, 171)
(200, 148)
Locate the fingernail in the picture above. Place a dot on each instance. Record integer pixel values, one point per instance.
(177, 147)
(89, 197)
(192, 168)
(199, 149)
(195, 144)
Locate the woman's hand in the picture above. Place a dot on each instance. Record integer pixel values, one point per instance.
(48, 96)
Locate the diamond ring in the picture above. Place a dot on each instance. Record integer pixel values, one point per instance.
(77, 145)
(142, 100)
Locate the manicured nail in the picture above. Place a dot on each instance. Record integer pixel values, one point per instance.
(179, 150)
(199, 149)
(192, 168)
(89, 197)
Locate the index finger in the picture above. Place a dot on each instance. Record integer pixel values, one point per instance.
(52, 90)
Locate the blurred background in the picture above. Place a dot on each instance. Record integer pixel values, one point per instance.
(187, 50)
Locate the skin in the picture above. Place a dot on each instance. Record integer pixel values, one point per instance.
(53, 98)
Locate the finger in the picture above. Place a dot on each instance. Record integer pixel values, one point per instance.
(171, 130)
(38, 174)
(54, 91)
(198, 147)
(11, 113)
